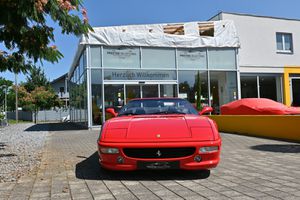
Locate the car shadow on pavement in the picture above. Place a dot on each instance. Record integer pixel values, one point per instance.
(90, 169)
(278, 148)
(55, 127)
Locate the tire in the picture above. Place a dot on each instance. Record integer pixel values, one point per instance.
(204, 174)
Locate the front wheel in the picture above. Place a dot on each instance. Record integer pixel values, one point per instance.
(203, 174)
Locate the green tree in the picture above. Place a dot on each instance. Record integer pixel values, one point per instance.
(29, 101)
(6, 82)
(36, 78)
(26, 35)
(44, 98)
(185, 88)
(11, 97)
(39, 99)
(197, 87)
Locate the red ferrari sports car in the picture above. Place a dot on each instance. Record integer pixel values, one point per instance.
(159, 133)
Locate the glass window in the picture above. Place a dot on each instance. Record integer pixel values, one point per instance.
(81, 78)
(75, 74)
(221, 58)
(81, 98)
(71, 79)
(249, 87)
(193, 86)
(85, 108)
(121, 57)
(158, 58)
(62, 89)
(95, 56)
(288, 42)
(284, 42)
(295, 91)
(132, 92)
(269, 88)
(279, 41)
(223, 89)
(191, 58)
(149, 91)
(114, 98)
(84, 59)
(139, 75)
(96, 97)
(168, 90)
(80, 66)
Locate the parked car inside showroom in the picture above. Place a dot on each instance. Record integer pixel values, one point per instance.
(159, 133)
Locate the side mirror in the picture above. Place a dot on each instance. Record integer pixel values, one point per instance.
(111, 111)
(206, 110)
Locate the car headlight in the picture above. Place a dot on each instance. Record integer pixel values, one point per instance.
(208, 149)
(109, 150)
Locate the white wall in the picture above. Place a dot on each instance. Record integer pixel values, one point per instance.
(258, 42)
(56, 86)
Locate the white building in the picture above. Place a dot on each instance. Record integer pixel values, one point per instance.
(269, 56)
(60, 86)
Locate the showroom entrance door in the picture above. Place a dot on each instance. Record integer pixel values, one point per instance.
(295, 91)
(148, 90)
(140, 91)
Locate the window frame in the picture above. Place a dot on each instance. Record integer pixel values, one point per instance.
(284, 50)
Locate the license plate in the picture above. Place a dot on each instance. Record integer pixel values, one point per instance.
(158, 165)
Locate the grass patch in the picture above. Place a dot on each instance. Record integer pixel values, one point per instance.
(12, 121)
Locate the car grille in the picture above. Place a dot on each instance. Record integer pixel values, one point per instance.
(159, 152)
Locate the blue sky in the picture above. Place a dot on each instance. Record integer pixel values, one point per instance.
(123, 12)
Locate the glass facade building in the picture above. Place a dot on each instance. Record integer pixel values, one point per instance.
(78, 92)
(109, 76)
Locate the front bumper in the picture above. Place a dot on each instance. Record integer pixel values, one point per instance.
(208, 160)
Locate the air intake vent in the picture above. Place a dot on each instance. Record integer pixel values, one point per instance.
(159, 152)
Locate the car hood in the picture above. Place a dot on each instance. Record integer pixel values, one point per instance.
(149, 128)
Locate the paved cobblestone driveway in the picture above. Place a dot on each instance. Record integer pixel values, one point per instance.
(251, 168)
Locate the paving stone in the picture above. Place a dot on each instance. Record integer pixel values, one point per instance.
(104, 196)
(148, 197)
(40, 195)
(231, 193)
(291, 198)
(193, 197)
(60, 195)
(39, 198)
(69, 170)
(242, 198)
(217, 197)
(127, 196)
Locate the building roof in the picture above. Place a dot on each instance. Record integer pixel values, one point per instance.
(253, 15)
(190, 34)
(62, 77)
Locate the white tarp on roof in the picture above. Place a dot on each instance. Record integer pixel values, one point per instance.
(225, 35)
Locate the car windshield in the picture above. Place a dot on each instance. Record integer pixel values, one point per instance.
(157, 106)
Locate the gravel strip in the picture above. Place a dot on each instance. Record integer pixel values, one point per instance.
(20, 150)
